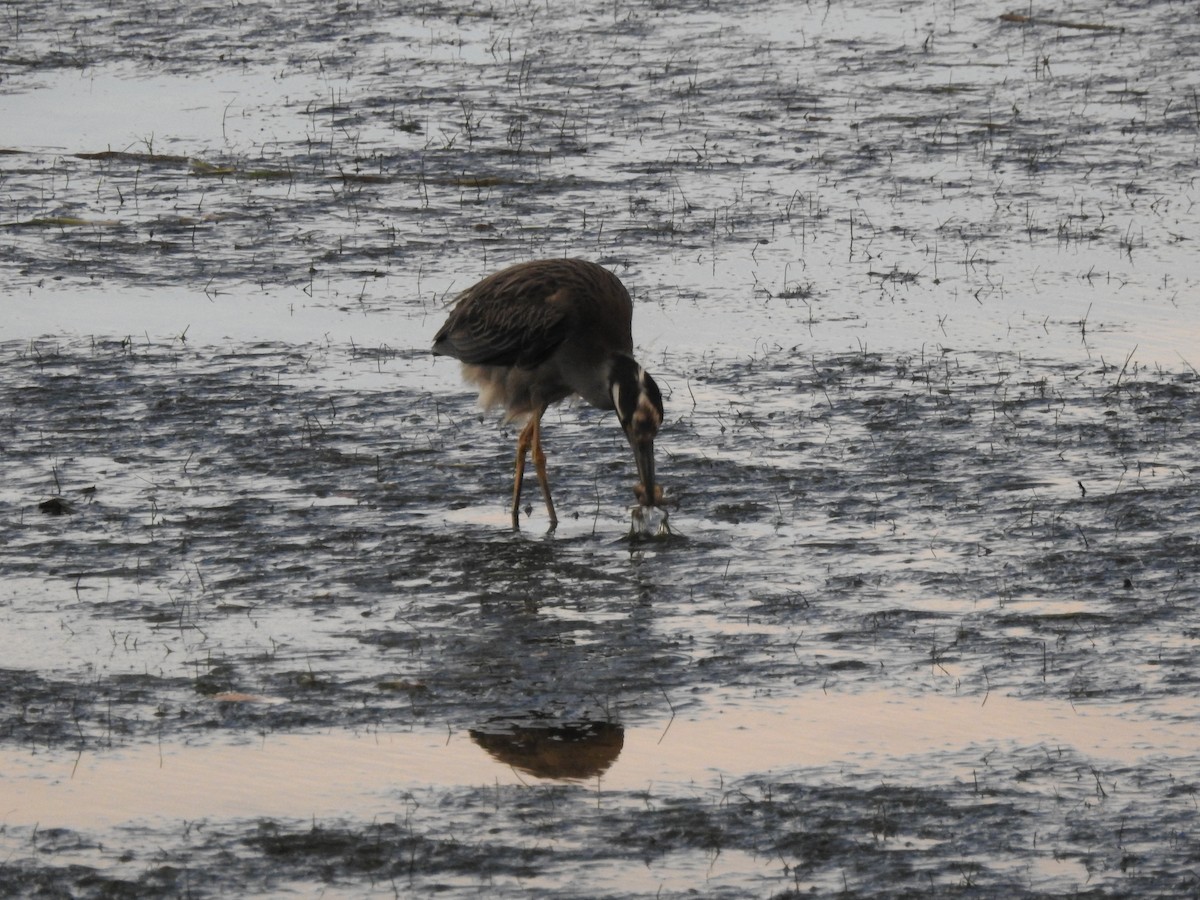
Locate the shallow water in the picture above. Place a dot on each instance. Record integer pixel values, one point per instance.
(340, 775)
(918, 284)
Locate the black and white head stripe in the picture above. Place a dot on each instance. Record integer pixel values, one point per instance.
(636, 398)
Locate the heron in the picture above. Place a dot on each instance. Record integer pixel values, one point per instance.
(537, 332)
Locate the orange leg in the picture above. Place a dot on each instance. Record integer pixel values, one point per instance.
(522, 448)
(531, 437)
(539, 464)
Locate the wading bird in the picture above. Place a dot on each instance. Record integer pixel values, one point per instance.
(538, 332)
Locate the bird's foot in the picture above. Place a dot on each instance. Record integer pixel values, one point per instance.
(649, 522)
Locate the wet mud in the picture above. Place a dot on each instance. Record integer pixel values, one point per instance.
(918, 288)
(968, 525)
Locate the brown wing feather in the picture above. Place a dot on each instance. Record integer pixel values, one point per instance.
(515, 317)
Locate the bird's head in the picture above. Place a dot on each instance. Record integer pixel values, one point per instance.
(639, 406)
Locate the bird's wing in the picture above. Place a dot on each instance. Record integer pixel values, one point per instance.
(500, 322)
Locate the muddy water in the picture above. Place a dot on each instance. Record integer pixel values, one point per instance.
(919, 285)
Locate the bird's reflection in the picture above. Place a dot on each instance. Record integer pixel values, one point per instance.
(572, 750)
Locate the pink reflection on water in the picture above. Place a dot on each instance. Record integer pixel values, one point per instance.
(812, 739)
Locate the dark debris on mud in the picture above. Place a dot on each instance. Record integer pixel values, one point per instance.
(202, 528)
(269, 525)
(1031, 523)
(491, 130)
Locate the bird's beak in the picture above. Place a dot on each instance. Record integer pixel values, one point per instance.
(648, 493)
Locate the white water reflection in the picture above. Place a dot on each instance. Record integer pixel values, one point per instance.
(118, 108)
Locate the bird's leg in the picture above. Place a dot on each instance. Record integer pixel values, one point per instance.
(522, 448)
(539, 464)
